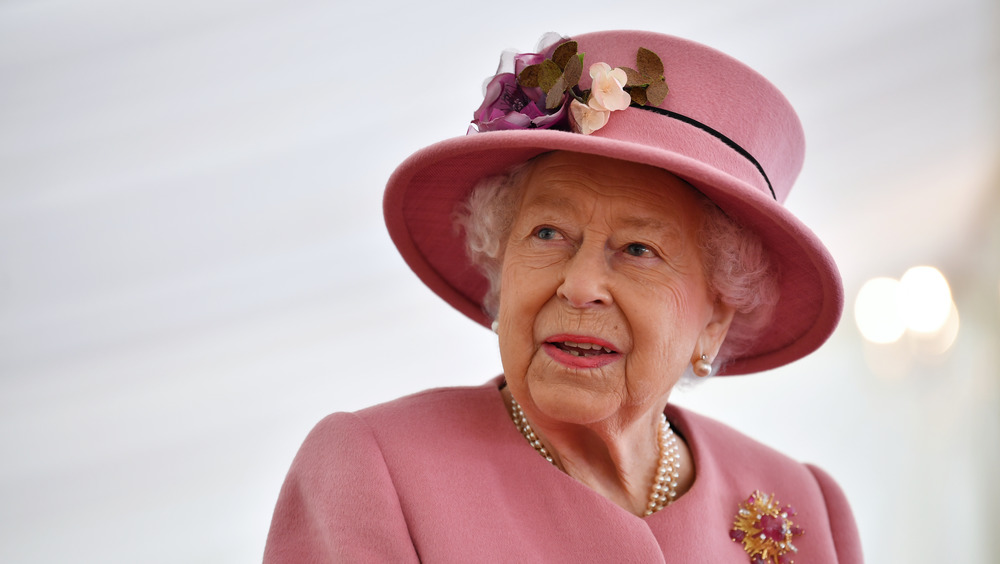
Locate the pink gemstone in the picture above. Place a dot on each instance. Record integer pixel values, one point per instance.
(737, 535)
(797, 531)
(771, 527)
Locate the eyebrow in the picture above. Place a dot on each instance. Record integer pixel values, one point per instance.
(564, 204)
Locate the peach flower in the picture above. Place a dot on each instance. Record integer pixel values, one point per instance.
(607, 90)
(586, 119)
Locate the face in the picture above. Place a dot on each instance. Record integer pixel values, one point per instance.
(603, 300)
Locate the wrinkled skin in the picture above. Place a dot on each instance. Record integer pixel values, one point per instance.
(604, 251)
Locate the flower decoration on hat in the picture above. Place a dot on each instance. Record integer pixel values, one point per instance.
(766, 530)
(542, 91)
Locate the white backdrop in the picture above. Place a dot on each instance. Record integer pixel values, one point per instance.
(193, 267)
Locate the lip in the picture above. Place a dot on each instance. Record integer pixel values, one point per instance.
(582, 362)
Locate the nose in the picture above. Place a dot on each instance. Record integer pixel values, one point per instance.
(585, 282)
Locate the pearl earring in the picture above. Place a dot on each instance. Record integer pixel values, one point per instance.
(702, 367)
(495, 325)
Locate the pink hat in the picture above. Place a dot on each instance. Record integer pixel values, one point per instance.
(721, 127)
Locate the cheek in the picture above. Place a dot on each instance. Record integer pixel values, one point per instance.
(526, 284)
(524, 291)
(665, 327)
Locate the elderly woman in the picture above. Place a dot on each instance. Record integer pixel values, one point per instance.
(615, 215)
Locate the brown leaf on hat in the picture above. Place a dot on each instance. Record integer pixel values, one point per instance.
(548, 74)
(638, 94)
(656, 92)
(564, 53)
(529, 77)
(633, 78)
(572, 71)
(646, 86)
(554, 97)
(556, 75)
(649, 63)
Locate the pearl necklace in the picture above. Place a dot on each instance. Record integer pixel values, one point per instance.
(664, 490)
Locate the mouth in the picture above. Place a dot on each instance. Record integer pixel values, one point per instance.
(579, 352)
(582, 349)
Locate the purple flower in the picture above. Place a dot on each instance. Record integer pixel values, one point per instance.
(508, 105)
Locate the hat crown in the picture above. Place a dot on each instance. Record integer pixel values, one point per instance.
(714, 90)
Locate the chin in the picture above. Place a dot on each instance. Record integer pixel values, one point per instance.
(573, 404)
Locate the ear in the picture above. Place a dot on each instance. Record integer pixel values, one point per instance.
(714, 333)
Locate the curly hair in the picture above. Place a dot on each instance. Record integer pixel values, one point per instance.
(736, 264)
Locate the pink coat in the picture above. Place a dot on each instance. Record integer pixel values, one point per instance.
(444, 476)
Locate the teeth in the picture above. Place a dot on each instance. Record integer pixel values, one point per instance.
(586, 347)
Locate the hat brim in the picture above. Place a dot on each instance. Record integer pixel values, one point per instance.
(423, 192)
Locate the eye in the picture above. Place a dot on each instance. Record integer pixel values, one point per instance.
(546, 233)
(638, 250)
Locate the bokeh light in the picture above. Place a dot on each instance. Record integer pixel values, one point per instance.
(932, 345)
(877, 311)
(918, 306)
(925, 299)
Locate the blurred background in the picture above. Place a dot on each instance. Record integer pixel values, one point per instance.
(194, 268)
